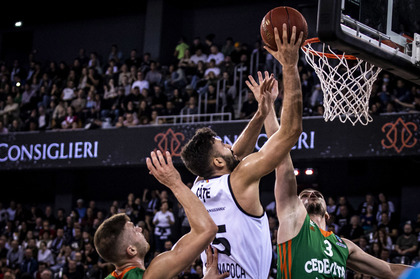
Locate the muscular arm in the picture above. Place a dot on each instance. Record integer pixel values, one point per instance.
(203, 229)
(362, 262)
(280, 144)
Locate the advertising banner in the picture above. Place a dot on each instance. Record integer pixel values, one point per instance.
(386, 136)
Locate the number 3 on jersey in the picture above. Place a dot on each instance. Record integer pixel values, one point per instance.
(328, 250)
(223, 241)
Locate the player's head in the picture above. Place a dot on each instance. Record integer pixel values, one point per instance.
(117, 240)
(314, 202)
(204, 154)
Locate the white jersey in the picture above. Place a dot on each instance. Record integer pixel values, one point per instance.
(243, 240)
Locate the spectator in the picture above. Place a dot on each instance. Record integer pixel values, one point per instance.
(389, 226)
(46, 274)
(180, 48)
(154, 76)
(10, 111)
(116, 54)
(383, 237)
(228, 46)
(72, 270)
(406, 244)
(176, 79)
(59, 113)
(369, 201)
(58, 242)
(212, 67)
(331, 205)
(249, 107)
(45, 255)
(29, 263)
(368, 219)
(80, 208)
(28, 97)
(69, 94)
(353, 230)
(163, 220)
(70, 120)
(410, 106)
(344, 217)
(197, 56)
(14, 255)
(140, 82)
(215, 55)
(43, 119)
(79, 103)
(342, 200)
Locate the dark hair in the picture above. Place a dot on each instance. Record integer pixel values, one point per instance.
(196, 154)
(106, 237)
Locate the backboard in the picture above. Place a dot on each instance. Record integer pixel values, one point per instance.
(385, 33)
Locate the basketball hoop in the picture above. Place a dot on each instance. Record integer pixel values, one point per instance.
(346, 82)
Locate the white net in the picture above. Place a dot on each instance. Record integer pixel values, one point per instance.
(346, 83)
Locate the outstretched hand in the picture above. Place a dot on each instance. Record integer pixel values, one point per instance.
(287, 52)
(163, 171)
(212, 269)
(255, 86)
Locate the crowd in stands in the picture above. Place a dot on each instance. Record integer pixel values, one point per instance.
(44, 241)
(122, 90)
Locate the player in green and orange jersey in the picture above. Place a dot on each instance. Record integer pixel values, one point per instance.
(305, 250)
(120, 242)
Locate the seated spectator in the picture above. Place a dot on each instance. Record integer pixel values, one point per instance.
(353, 230)
(390, 227)
(249, 107)
(72, 270)
(197, 56)
(154, 76)
(215, 55)
(15, 255)
(10, 111)
(29, 264)
(69, 92)
(45, 255)
(212, 67)
(70, 120)
(406, 245)
(140, 82)
(383, 237)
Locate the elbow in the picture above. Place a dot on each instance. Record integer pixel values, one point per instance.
(210, 232)
(295, 131)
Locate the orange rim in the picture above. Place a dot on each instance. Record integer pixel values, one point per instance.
(320, 53)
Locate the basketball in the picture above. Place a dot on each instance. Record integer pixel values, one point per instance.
(276, 18)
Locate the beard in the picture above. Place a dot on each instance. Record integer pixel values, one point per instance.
(231, 162)
(315, 209)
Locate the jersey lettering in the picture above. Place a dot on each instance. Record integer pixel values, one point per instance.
(324, 267)
(234, 269)
(203, 193)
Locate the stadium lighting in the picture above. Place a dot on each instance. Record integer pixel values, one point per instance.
(18, 23)
(309, 171)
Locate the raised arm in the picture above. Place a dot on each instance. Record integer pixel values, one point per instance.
(285, 189)
(362, 262)
(245, 143)
(280, 144)
(203, 229)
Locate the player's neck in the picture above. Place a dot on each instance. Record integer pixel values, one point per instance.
(318, 220)
(131, 263)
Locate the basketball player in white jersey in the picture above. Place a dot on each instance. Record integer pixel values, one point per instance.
(228, 177)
